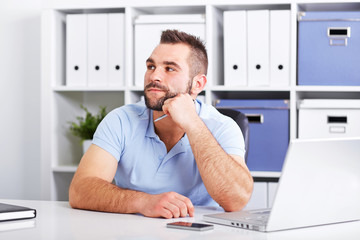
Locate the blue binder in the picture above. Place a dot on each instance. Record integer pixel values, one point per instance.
(328, 48)
(268, 133)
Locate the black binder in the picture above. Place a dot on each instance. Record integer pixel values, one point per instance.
(13, 212)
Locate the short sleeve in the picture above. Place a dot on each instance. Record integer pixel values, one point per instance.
(109, 135)
(230, 137)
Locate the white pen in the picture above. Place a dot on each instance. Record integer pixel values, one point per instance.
(159, 118)
(164, 116)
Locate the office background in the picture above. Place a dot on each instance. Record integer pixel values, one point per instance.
(20, 77)
(21, 72)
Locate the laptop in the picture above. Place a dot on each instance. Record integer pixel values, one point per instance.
(319, 184)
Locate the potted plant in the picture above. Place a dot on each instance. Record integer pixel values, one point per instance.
(85, 127)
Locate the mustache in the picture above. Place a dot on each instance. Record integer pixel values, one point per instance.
(156, 85)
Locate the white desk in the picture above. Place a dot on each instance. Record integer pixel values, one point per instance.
(56, 220)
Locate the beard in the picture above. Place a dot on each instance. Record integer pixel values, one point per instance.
(158, 103)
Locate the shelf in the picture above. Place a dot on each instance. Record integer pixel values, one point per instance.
(249, 88)
(64, 169)
(254, 93)
(327, 88)
(327, 92)
(253, 6)
(88, 89)
(329, 6)
(258, 174)
(136, 88)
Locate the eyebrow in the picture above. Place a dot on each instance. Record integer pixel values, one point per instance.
(149, 60)
(171, 63)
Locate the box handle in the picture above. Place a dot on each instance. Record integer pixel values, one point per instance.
(338, 42)
(337, 119)
(339, 32)
(337, 129)
(338, 35)
(255, 118)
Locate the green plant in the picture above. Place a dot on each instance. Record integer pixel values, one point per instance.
(85, 128)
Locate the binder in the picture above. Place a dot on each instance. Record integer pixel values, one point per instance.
(116, 49)
(148, 30)
(76, 50)
(279, 47)
(10, 212)
(258, 47)
(235, 48)
(17, 225)
(97, 49)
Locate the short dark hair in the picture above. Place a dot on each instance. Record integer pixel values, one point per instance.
(198, 60)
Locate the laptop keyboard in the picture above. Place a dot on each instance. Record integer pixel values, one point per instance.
(260, 217)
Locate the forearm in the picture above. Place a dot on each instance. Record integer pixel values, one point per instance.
(91, 189)
(227, 181)
(93, 193)
(96, 194)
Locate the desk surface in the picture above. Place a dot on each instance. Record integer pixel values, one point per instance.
(57, 220)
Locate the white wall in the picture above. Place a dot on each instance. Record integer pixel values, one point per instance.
(20, 99)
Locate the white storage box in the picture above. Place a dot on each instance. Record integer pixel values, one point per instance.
(325, 118)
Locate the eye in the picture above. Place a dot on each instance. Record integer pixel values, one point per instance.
(150, 67)
(170, 69)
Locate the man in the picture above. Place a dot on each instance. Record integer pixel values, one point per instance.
(192, 156)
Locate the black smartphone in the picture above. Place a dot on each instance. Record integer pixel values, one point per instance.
(190, 226)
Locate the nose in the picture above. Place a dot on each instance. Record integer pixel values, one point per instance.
(157, 75)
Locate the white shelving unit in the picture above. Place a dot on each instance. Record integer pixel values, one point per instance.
(61, 152)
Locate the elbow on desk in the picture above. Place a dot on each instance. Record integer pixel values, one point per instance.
(75, 201)
(235, 206)
(72, 200)
(73, 196)
(237, 201)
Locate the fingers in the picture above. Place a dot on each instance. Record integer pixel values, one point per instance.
(167, 205)
(181, 109)
(166, 214)
(188, 205)
(177, 205)
(177, 208)
(184, 98)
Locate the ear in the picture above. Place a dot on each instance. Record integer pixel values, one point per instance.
(198, 84)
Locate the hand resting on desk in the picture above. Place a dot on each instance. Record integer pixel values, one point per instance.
(92, 189)
(167, 205)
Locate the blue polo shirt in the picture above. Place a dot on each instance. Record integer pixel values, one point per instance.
(144, 164)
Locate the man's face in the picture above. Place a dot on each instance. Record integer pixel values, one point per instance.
(167, 74)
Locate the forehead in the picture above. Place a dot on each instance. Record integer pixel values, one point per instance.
(171, 52)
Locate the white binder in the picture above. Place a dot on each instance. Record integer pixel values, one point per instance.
(258, 47)
(235, 48)
(279, 47)
(148, 30)
(76, 50)
(97, 49)
(116, 49)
